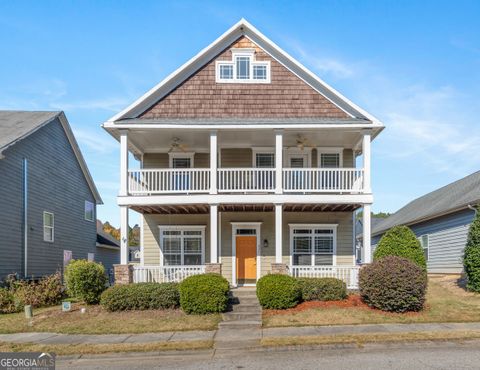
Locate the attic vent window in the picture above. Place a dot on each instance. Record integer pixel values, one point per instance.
(243, 68)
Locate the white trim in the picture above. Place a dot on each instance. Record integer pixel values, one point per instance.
(241, 28)
(142, 241)
(257, 226)
(85, 211)
(189, 155)
(332, 227)
(297, 152)
(182, 228)
(428, 244)
(329, 150)
(49, 227)
(250, 53)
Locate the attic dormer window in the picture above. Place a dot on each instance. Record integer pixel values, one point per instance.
(243, 68)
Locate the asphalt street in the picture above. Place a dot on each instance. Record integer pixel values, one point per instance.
(424, 355)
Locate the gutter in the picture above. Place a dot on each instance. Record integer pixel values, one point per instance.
(473, 209)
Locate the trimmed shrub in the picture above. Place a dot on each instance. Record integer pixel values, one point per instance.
(401, 241)
(322, 289)
(471, 258)
(277, 291)
(393, 284)
(141, 296)
(47, 291)
(85, 280)
(205, 293)
(7, 302)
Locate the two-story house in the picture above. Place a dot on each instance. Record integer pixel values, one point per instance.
(247, 166)
(48, 198)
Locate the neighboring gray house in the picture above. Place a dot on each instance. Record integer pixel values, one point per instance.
(48, 198)
(359, 236)
(440, 220)
(108, 249)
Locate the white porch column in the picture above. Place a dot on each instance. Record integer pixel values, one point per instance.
(213, 162)
(123, 235)
(278, 161)
(213, 233)
(366, 162)
(123, 163)
(367, 243)
(278, 233)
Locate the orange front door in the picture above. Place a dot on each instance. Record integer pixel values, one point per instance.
(246, 258)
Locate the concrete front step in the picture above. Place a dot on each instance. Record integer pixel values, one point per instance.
(249, 308)
(244, 300)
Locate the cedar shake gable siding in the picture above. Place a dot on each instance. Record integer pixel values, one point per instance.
(286, 96)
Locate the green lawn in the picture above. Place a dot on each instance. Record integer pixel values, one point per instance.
(96, 320)
(445, 303)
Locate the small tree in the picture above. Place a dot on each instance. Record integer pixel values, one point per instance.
(85, 280)
(401, 241)
(471, 258)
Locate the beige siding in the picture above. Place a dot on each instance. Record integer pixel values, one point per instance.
(151, 235)
(348, 159)
(201, 160)
(236, 157)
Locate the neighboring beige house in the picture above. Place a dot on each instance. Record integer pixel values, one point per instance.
(247, 166)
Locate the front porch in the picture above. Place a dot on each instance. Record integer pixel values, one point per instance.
(251, 241)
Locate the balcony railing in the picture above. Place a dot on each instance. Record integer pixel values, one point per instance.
(165, 181)
(164, 274)
(349, 274)
(245, 180)
(322, 180)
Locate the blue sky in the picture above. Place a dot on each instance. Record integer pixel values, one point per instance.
(415, 65)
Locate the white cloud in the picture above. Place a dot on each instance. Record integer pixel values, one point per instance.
(95, 141)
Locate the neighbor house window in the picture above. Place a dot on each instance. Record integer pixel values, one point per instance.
(424, 241)
(313, 245)
(182, 245)
(89, 211)
(48, 226)
(243, 68)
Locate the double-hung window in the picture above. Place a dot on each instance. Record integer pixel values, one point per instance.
(89, 211)
(313, 245)
(330, 157)
(264, 158)
(424, 241)
(243, 68)
(182, 245)
(48, 226)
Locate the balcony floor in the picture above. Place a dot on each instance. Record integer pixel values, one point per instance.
(205, 209)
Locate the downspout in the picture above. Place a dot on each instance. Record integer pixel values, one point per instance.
(473, 208)
(25, 216)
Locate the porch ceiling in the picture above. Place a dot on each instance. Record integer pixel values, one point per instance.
(199, 140)
(205, 209)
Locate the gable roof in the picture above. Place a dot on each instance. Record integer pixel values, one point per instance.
(241, 28)
(359, 226)
(17, 125)
(105, 239)
(450, 198)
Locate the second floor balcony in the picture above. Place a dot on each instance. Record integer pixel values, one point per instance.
(245, 180)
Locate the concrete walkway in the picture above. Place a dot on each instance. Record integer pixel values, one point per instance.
(248, 335)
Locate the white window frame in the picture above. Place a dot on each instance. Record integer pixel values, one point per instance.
(181, 228)
(189, 155)
(313, 227)
(329, 150)
(262, 150)
(420, 239)
(250, 53)
(297, 152)
(85, 211)
(49, 227)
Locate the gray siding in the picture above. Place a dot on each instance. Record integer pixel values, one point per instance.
(447, 239)
(56, 184)
(107, 257)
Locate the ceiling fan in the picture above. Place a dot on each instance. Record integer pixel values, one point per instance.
(176, 145)
(302, 142)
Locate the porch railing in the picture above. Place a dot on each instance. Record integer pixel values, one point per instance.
(164, 181)
(164, 274)
(349, 274)
(322, 179)
(246, 180)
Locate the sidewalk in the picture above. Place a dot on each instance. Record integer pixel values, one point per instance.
(185, 336)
